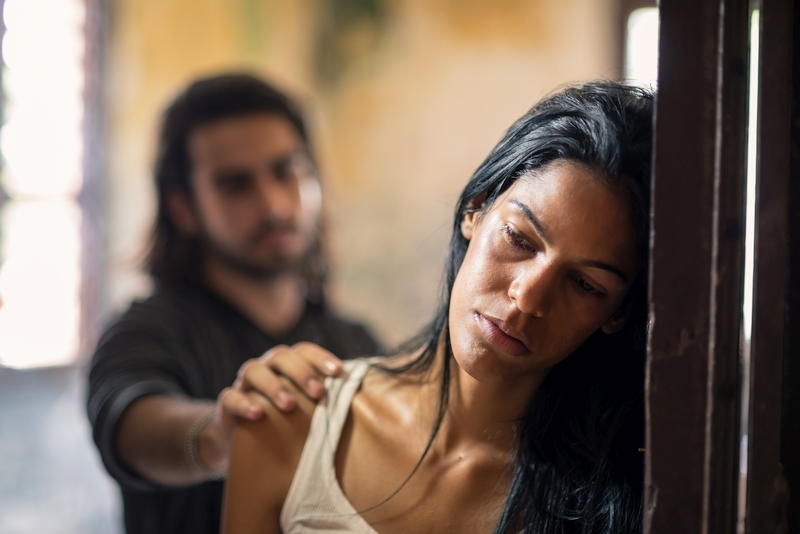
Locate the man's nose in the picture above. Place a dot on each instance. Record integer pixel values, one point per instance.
(277, 199)
(533, 288)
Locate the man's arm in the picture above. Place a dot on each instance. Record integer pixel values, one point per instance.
(159, 438)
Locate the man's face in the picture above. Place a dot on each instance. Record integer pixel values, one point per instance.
(257, 199)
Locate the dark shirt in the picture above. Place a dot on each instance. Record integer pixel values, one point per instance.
(188, 343)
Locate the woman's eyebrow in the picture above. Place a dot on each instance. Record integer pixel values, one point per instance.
(543, 234)
(531, 217)
(606, 267)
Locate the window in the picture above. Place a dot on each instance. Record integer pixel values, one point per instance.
(641, 46)
(42, 149)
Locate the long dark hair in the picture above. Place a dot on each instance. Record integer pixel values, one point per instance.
(173, 258)
(578, 465)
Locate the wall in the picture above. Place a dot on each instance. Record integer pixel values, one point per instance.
(407, 97)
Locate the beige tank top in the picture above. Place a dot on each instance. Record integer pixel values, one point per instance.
(316, 502)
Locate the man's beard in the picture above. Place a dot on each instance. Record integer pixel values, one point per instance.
(277, 265)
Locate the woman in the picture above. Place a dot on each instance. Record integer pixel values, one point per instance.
(520, 408)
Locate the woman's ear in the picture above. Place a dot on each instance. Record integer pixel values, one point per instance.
(180, 210)
(471, 215)
(615, 324)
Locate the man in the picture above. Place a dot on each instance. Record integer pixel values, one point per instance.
(239, 264)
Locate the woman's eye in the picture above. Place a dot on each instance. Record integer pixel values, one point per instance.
(583, 284)
(515, 239)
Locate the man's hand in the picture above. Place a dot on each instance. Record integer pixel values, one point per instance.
(155, 432)
(259, 382)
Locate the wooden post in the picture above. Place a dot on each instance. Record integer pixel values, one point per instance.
(790, 425)
(767, 487)
(696, 268)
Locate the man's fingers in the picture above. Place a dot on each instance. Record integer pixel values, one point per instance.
(237, 403)
(321, 359)
(304, 364)
(298, 370)
(280, 359)
(255, 376)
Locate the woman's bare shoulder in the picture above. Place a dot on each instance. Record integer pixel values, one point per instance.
(264, 458)
(280, 432)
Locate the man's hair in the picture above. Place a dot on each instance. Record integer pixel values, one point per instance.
(175, 259)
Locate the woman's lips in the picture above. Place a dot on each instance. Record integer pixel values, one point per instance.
(498, 338)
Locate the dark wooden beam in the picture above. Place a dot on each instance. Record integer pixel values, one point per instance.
(790, 428)
(696, 268)
(767, 489)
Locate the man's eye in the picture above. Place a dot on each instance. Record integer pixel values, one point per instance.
(233, 183)
(292, 168)
(284, 171)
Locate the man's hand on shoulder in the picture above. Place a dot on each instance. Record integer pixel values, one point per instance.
(261, 381)
(177, 441)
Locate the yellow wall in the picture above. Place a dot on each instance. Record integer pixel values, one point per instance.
(406, 100)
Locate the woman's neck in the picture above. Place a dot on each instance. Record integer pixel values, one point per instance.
(479, 414)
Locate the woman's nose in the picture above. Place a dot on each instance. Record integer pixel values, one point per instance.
(533, 287)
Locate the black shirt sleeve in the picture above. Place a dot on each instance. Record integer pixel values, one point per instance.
(138, 355)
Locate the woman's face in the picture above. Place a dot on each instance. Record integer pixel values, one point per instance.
(548, 264)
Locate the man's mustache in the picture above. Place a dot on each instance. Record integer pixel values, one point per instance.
(272, 225)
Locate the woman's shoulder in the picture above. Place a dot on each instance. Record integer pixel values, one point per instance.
(264, 457)
(287, 431)
(284, 433)
(273, 445)
(265, 454)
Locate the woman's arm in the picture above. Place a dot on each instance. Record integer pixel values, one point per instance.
(263, 461)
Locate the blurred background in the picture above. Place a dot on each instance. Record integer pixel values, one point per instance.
(405, 98)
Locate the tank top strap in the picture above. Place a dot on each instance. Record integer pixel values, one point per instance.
(315, 501)
(339, 397)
